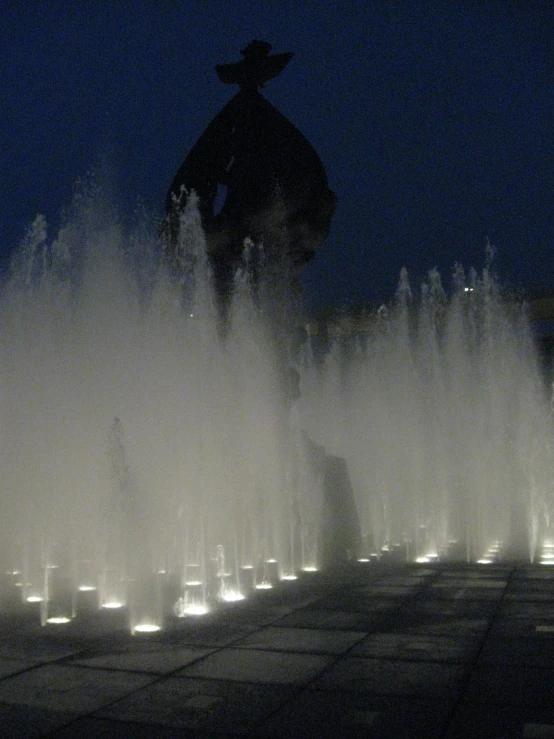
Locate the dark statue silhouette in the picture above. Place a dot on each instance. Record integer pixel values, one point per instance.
(255, 175)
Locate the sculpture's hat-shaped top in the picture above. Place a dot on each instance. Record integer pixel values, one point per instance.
(254, 173)
(257, 67)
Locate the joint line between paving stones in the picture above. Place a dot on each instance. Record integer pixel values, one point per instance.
(493, 618)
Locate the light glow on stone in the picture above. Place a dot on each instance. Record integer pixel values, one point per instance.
(146, 628)
(232, 596)
(193, 610)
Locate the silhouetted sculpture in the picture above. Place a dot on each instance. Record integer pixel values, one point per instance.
(259, 170)
(257, 177)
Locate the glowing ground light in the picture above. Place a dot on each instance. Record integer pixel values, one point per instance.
(309, 569)
(484, 561)
(195, 610)
(86, 588)
(58, 620)
(34, 599)
(264, 586)
(426, 558)
(232, 596)
(289, 577)
(547, 555)
(364, 559)
(112, 604)
(146, 628)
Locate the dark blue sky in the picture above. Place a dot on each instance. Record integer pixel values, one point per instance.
(433, 119)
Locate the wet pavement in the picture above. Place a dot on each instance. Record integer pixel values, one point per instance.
(372, 650)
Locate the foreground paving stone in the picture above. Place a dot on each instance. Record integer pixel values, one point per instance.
(38, 647)
(316, 618)
(508, 685)
(447, 626)
(476, 572)
(157, 661)
(418, 647)
(532, 651)
(100, 728)
(466, 591)
(452, 607)
(527, 610)
(258, 666)
(394, 677)
(27, 722)
(500, 722)
(345, 716)
(363, 602)
(66, 688)
(371, 651)
(13, 666)
(317, 641)
(389, 590)
(207, 705)
(519, 628)
(199, 633)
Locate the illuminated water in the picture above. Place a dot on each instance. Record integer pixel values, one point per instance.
(138, 451)
(445, 421)
(149, 466)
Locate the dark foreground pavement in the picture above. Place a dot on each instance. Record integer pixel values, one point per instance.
(371, 651)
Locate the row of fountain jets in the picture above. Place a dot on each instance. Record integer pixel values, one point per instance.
(149, 465)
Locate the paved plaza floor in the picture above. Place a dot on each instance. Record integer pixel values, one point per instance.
(372, 650)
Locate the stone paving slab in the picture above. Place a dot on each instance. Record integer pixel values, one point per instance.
(259, 666)
(366, 651)
(480, 590)
(524, 609)
(476, 572)
(207, 705)
(13, 666)
(159, 661)
(534, 573)
(500, 722)
(418, 647)
(395, 677)
(511, 685)
(316, 641)
(350, 716)
(533, 651)
(28, 722)
(100, 728)
(452, 607)
(315, 618)
(67, 688)
(447, 626)
(520, 628)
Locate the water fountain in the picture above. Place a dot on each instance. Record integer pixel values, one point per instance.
(154, 464)
(139, 451)
(442, 414)
(142, 456)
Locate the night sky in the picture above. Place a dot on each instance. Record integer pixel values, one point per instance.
(433, 119)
